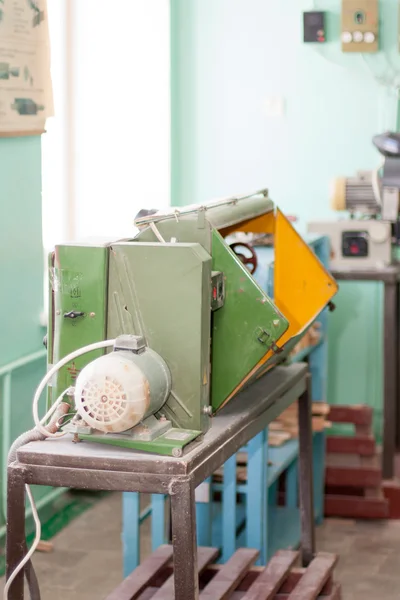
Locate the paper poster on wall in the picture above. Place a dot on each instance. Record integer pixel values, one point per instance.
(26, 97)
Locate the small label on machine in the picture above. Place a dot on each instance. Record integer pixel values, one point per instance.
(177, 435)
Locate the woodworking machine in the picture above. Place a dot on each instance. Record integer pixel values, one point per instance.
(189, 324)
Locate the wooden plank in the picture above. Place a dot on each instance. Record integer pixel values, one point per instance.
(362, 445)
(293, 579)
(271, 578)
(46, 547)
(363, 429)
(230, 575)
(141, 577)
(353, 476)
(376, 493)
(148, 594)
(358, 414)
(391, 490)
(318, 424)
(320, 408)
(355, 507)
(278, 438)
(317, 574)
(336, 593)
(204, 557)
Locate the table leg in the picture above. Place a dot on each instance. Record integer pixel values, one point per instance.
(390, 380)
(15, 541)
(183, 509)
(306, 494)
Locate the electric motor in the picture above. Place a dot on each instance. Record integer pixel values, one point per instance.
(355, 194)
(117, 391)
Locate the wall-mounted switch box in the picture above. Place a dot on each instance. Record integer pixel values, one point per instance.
(360, 25)
(314, 27)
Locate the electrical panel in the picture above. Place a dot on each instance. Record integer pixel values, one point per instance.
(360, 25)
(314, 26)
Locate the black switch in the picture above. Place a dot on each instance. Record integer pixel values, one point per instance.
(314, 26)
(355, 244)
(73, 314)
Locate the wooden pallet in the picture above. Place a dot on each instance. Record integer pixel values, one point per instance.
(238, 579)
(286, 427)
(353, 476)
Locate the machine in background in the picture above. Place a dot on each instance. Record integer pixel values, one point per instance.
(188, 324)
(368, 238)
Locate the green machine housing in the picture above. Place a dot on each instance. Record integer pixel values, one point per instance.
(189, 322)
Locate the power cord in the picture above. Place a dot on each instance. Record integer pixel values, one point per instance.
(40, 432)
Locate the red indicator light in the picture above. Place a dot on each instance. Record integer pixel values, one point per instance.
(214, 293)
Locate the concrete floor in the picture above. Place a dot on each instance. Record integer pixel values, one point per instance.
(86, 562)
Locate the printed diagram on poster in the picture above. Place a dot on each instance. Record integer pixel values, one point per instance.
(26, 97)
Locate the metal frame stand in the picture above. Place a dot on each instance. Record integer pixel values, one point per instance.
(94, 466)
(390, 277)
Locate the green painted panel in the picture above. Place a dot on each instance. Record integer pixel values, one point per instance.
(170, 443)
(79, 283)
(163, 291)
(355, 348)
(21, 264)
(237, 326)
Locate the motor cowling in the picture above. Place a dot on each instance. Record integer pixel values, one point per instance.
(117, 391)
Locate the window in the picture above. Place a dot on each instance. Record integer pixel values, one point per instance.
(106, 153)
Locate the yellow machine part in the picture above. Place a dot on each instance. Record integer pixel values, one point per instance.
(262, 224)
(302, 285)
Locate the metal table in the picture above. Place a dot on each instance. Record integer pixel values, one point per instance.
(390, 277)
(99, 467)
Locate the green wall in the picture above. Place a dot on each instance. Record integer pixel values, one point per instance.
(228, 58)
(21, 276)
(21, 265)
(356, 348)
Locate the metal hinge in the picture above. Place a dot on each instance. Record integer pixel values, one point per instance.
(265, 338)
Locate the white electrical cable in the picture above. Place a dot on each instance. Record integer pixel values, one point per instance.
(53, 371)
(32, 549)
(156, 232)
(39, 426)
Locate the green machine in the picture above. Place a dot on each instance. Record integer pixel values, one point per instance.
(185, 324)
